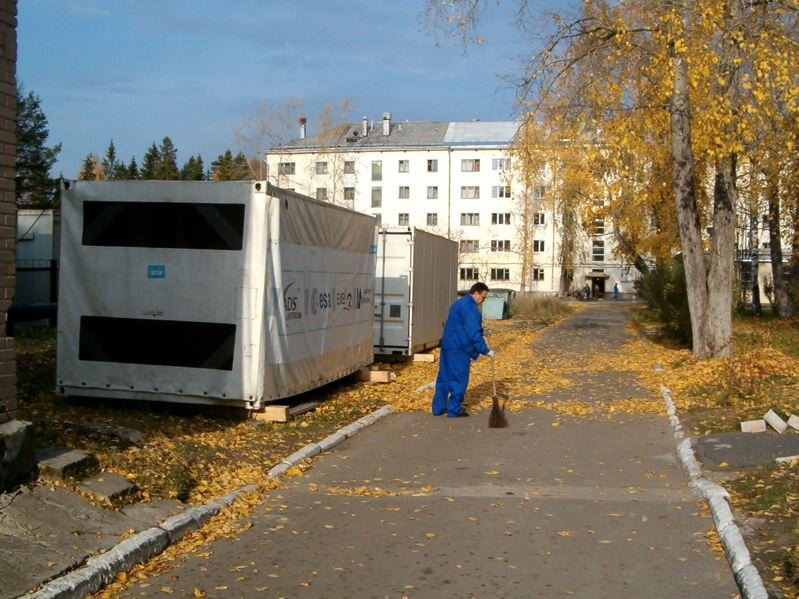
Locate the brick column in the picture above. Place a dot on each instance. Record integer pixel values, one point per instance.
(8, 211)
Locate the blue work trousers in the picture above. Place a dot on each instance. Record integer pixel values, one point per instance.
(451, 383)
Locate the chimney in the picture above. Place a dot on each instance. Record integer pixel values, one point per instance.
(365, 127)
(303, 121)
(386, 123)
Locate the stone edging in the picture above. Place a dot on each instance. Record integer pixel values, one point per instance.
(746, 575)
(101, 569)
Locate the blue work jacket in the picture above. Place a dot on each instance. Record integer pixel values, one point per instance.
(463, 330)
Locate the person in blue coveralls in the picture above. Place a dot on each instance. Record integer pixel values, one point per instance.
(461, 342)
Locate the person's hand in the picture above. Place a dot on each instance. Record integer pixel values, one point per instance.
(491, 354)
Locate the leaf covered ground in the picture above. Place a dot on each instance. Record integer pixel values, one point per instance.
(196, 454)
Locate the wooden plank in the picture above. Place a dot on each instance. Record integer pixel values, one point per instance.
(424, 357)
(375, 376)
(271, 414)
(302, 408)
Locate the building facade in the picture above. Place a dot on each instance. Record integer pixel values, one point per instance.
(455, 179)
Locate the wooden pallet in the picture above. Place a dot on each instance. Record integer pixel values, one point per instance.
(275, 413)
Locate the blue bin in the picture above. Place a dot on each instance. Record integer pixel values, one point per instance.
(494, 307)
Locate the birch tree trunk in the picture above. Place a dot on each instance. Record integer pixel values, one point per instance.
(782, 300)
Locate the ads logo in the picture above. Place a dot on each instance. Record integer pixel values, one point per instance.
(290, 302)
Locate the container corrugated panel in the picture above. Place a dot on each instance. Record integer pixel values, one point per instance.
(231, 293)
(416, 283)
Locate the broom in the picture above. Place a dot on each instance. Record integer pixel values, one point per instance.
(496, 419)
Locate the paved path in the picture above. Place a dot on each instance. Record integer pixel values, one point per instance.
(420, 506)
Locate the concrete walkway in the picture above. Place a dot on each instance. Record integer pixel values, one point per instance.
(423, 506)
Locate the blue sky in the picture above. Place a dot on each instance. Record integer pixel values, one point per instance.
(199, 70)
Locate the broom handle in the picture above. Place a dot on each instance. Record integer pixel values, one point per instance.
(493, 377)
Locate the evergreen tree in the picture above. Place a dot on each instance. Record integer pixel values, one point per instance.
(167, 165)
(34, 187)
(150, 163)
(87, 169)
(133, 169)
(222, 167)
(241, 168)
(110, 162)
(193, 169)
(228, 168)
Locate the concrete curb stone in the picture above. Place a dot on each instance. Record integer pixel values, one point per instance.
(101, 569)
(746, 575)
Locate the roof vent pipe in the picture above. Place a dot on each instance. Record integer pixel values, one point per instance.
(365, 127)
(386, 123)
(303, 121)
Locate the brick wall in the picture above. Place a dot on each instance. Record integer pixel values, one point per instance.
(8, 211)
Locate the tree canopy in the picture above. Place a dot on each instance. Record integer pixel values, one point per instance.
(34, 185)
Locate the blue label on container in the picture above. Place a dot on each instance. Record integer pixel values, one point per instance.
(156, 271)
(373, 248)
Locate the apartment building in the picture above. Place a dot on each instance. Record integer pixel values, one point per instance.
(455, 179)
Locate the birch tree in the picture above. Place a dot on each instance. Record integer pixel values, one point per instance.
(667, 93)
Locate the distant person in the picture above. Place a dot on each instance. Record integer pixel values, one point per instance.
(587, 292)
(461, 342)
(615, 291)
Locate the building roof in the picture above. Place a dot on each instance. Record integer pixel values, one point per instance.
(407, 134)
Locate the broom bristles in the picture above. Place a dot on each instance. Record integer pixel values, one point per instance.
(497, 419)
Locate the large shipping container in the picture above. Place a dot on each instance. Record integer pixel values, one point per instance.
(416, 283)
(232, 293)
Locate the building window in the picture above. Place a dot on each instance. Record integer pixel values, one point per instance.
(538, 274)
(469, 246)
(404, 166)
(404, 219)
(432, 219)
(500, 191)
(500, 164)
(321, 194)
(432, 192)
(500, 218)
(404, 192)
(500, 245)
(377, 170)
(378, 220)
(538, 245)
(500, 274)
(349, 167)
(539, 191)
(469, 274)
(470, 219)
(321, 168)
(286, 168)
(432, 166)
(598, 250)
(766, 245)
(599, 226)
(377, 197)
(470, 192)
(538, 218)
(349, 193)
(470, 165)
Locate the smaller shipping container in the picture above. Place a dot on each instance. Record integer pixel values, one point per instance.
(415, 286)
(230, 293)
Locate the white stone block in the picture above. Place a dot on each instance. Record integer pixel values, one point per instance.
(793, 422)
(774, 420)
(753, 426)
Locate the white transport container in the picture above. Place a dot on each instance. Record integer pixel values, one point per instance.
(231, 293)
(416, 283)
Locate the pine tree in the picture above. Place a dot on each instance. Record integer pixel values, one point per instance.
(34, 187)
(222, 167)
(241, 168)
(87, 169)
(193, 169)
(167, 166)
(110, 162)
(133, 170)
(150, 163)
